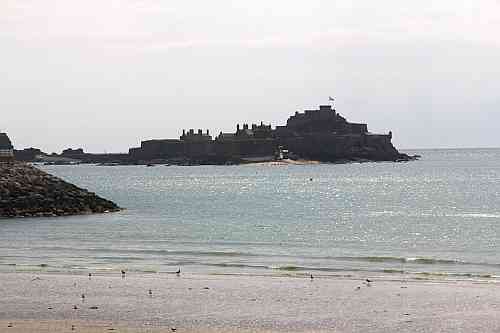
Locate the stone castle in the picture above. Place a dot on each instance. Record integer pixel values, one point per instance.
(321, 134)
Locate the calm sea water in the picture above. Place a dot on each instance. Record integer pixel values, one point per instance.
(439, 215)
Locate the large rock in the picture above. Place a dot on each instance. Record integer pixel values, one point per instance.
(28, 191)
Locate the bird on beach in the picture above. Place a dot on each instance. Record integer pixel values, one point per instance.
(178, 272)
(90, 276)
(368, 280)
(312, 277)
(150, 292)
(123, 273)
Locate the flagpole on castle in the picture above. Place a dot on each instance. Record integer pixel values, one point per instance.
(332, 101)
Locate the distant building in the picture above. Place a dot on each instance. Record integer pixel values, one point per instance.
(245, 133)
(324, 120)
(28, 154)
(6, 148)
(320, 134)
(72, 152)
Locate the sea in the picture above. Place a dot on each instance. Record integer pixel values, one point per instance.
(435, 217)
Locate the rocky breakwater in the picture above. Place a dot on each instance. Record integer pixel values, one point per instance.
(26, 191)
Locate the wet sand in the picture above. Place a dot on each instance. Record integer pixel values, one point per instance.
(31, 302)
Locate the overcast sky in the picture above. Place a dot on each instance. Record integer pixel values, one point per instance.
(104, 75)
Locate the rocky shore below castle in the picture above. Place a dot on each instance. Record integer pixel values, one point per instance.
(26, 191)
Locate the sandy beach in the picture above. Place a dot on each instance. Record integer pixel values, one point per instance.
(33, 302)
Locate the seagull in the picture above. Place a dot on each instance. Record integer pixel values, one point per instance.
(83, 297)
(368, 280)
(90, 275)
(123, 273)
(150, 292)
(178, 271)
(312, 277)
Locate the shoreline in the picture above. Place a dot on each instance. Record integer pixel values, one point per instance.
(34, 302)
(346, 273)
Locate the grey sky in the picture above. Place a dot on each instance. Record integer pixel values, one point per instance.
(103, 75)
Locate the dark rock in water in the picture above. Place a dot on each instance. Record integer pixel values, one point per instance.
(26, 191)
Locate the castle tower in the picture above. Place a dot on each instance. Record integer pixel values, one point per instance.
(6, 148)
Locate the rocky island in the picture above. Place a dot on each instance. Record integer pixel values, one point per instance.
(321, 135)
(315, 135)
(26, 191)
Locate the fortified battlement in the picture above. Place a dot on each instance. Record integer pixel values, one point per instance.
(324, 112)
(256, 132)
(325, 119)
(196, 137)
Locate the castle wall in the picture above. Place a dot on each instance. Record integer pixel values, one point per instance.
(211, 150)
(199, 150)
(156, 149)
(246, 148)
(357, 128)
(327, 147)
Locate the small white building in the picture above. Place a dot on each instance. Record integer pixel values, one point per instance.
(6, 148)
